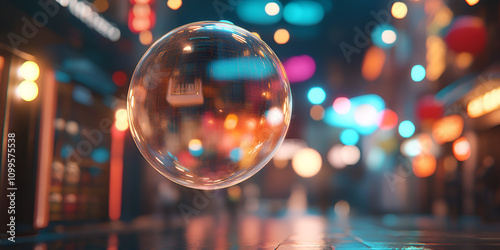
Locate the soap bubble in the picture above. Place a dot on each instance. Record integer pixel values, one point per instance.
(209, 104)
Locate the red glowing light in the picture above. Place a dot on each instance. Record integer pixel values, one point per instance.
(119, 78)
(389, 119)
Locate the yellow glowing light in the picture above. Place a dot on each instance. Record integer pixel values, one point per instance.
(256, 34)
(29, 71)
(484, 104)
(436, 57)
(122, 126)
(424, 165)
(27, 90)
(443, 17)
(373, 63)
(234, 193)
(317, 112)
(272, 9)
(146, 37)
(399, 10)
(174, 4)
(194, 145)
(464, 60)
(121, 115)
(307, 162)
(472, 2)
(231, 121)
(281, 36)
(280, 163)
(461, 149)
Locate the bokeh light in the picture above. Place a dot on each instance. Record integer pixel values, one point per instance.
(195, 147)
(316, 95)
(174, 4)
(303, 13)
(307, 162)
(349, 137)
(342, 105)
(119, 78)
(299, 68)
(384, 36)
(389, 36)
(411, 147)
(27, 90)
(342, 209)
(472, 2)
(281, 36)
(448, 128)
(389, 119)
(424, 165)
(272, 8)
(334, 157)
(406, 129)
(375, 159)
(350, 155)
(121, 119)
(146, 37)
(366, 115)
(215, 100)
(464, 60)
(399, 10)
(29, 70)
(373, 63)
(417, 73)
(461, 149)
(317, 112)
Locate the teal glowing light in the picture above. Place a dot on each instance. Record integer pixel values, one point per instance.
(384, 40)
(316, 95)
(418, 73)
(349, 137)
(244, 67)
(236, 154)
(255, 12)
(100, 155)
(347, 120)
(406, 129)
(303, 13)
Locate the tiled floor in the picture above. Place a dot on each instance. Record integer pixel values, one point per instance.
(286, 232)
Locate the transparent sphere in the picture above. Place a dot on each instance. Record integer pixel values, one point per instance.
(209, 104)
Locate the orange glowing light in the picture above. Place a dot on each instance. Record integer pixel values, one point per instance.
(116, 173)
(389, 120)
(373, 63)
(174, 4)
(447, 129)
(281, 36)
(484, 104)
(399, 10)
(424, 165)
(146, 37)
(231, 121)
(472, 2)
(461, 149)
(464, 60)
(317, 112)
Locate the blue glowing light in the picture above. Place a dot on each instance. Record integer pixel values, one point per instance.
(66, 150)
(347, 120)
(418, 73)
(100, 155)
(349, 137)
(382, 40)
(62, 77)
(82, 95)
(303, 13)
(236, 154)
(226, 21)
(316, 95)
(254, 12)
(406, 129)
(196, 153)
(237, 68)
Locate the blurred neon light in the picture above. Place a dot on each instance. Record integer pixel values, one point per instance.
(472, 2)
(195, 147)
(424, 165)
(350, 155)
(389, 36)
(342, 105)
(366, 115)
(448, 129)
(347, 120)
(406, 129)
(399, 10)
(349, 137)
(375, 159)
(100, 155)
(27, 90)
(418, 73)
(484, 103)
(274, 116)
(316, 95)
(373, 63)
(174, 4)
(281, 36)
(116, 173)
(236, 68)
(255, 12)
(303, 13)
(231, 121)
(334, 157)
(317, 112)
(236, 154)
(299, 68)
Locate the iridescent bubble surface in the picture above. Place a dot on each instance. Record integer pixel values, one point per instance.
(209, 104)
